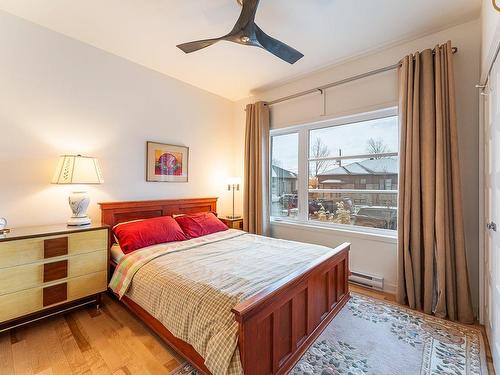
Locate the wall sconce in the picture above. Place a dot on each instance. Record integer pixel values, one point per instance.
(233, 183)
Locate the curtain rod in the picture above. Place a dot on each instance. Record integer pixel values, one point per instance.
(342, 81)
(483, 85)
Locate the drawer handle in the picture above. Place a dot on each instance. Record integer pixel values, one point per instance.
(55, 247)
(55, 294)
(55, 271)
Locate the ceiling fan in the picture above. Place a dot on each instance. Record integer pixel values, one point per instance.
(246, 32)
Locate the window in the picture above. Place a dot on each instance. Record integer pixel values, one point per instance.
(351, 172)
(284, 173)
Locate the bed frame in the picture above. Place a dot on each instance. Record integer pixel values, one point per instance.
(277, 325)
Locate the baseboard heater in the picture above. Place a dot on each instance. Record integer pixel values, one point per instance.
(369, 281)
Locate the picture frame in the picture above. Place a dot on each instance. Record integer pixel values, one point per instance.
(166, 162)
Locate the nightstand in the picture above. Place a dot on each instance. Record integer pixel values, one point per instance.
(48, 270)
(233, 223)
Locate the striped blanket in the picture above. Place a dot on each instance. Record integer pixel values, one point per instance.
(192, 286)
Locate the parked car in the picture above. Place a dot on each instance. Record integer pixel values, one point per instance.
(376, 217)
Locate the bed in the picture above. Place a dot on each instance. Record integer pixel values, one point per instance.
(276, 324)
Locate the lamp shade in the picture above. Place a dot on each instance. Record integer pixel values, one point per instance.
(78, 169)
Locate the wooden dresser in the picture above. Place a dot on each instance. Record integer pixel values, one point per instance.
(51, 269)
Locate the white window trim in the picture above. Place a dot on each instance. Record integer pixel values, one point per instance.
(338, 121)
(361, 156)
(356, 191)
(382, 235)
(302, 218)
(303, 180)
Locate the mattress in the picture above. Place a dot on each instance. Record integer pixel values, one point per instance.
(191, 286)
(116, 253)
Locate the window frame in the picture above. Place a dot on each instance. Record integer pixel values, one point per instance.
(303, 131)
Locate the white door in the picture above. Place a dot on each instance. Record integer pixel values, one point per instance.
(492, 210)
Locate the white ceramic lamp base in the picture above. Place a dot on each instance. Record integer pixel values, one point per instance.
(79, 202)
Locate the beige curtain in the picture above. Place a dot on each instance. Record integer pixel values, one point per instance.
(432, 268)
(256, 184)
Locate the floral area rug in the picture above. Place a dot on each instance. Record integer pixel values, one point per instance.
(374, 337)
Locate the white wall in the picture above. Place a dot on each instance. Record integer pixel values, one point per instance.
(58, 95)
(379, 257)
(366, 250)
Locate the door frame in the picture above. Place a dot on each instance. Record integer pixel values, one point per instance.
(486, 66)
(482, 208)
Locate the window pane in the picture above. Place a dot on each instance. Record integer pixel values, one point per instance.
(366, 137)
(284, 169)
(365, 174)
(354, 180)
(374, 210)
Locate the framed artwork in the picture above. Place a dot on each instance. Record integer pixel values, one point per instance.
(166, 163)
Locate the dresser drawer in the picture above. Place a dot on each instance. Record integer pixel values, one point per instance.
(17, 252)
(27, 276)
(20, 303)
(31, 300)
(87, 285)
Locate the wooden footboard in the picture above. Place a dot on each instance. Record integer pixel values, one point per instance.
(279, 324)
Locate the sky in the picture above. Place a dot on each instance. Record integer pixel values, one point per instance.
(352, 139)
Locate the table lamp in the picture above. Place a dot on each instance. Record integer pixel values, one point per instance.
(78, 169)
(233, 183)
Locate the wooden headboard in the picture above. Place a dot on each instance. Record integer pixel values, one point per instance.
(117, 212)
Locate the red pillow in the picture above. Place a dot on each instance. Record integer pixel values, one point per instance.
(201, 224)
(138, 234)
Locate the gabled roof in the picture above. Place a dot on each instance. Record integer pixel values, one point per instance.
(366, 167)
(282, 173)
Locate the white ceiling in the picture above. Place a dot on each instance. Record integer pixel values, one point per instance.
(326, 31)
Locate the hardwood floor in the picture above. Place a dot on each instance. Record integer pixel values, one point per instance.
(372, 293)
(108, 341)
(86, 341)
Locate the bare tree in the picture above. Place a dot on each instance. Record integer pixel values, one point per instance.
(376, 146)
(320, 150)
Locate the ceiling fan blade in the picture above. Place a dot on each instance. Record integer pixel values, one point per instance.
(247, 15)
(277, 48)
(199, 44)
